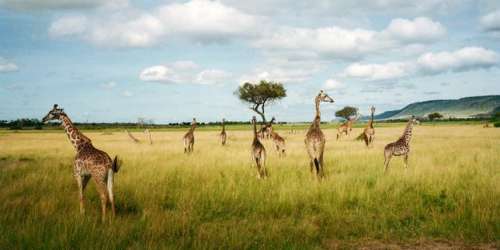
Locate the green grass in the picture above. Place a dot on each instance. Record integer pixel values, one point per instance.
(212, 199)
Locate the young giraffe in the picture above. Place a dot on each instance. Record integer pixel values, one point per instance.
(401, 146)
(223, 135)
(89, 162)
(189, 138)
(315, 139)
(265, 130)
(279, 142)
(258, 152)
(345, 127)
(368, 134)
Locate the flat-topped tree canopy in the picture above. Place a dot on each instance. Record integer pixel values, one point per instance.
(260, 94)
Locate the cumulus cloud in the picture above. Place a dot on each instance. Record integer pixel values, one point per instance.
(68, 25)
(6, 66)
(60, 4)
(376, 72)
(491, 21)
(336, 42)
(199, 20)
(183, 72)
(465, 59)
(282, 71)
(212, 76)
(331, 84)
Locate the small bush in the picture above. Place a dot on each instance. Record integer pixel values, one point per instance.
(497, 124)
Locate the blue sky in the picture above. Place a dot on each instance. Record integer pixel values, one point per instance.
(169, 61)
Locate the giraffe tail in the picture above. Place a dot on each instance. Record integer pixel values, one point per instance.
(360, 137)
(116, 164)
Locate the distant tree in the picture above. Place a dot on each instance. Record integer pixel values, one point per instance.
(434, 116)
(261, 94)
(347, 112)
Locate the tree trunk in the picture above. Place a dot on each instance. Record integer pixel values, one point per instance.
(261, 113)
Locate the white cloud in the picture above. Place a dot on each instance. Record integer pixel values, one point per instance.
(418, 30)
(199, 20)
(127, 93)
(108, 85)
(282, 71)
(68, 25)
(491, 21)
(465, 59)
(340, 43)
(158, 73)
(331, 84)
(376, 72)
(6, 66)
(212, 76)
(183, 72)
(60, 4)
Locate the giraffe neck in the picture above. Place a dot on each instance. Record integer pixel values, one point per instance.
(254, 130)
(77, 139)
(193, 126)
(223, 127)
(370, 122)
(407, 133)
(317, 118)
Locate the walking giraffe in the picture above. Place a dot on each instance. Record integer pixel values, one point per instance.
(223, 135)
(345, 127)
(89, 162)
(315, 139)
(258, 152)
(279, 142)
(189, 138)
(401, 146)
(368, 134)
(265, 130)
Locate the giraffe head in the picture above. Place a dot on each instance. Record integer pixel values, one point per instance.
(414, 120)
(372, 109)
(193, 123)
(254, 119)
(323, 97)
(53, 114)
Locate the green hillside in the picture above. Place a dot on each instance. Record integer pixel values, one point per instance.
(459, 108)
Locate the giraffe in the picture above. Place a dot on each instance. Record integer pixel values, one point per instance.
(258, 152)
(346, 127)
(89, 162)
(279, 142)
(223, 135)
(189, 138)
(368, 134)
(315, 139)
(401, 146)
(265, 130)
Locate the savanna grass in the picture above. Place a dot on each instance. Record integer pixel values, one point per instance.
(213, 199)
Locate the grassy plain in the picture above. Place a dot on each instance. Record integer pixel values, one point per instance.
(449, 197)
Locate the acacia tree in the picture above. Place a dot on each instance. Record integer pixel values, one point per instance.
(261, 94)
(434, 116)
(347, 112)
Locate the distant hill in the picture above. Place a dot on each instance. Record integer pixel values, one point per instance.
(466, 107)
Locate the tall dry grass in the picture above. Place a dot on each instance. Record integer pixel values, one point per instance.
(213, 199)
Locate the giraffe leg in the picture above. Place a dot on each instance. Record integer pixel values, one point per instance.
(82, 183)
(103, 194)
(109, 185)
(388, 156)
(322, 166)
(311, 165)
(406, 162)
